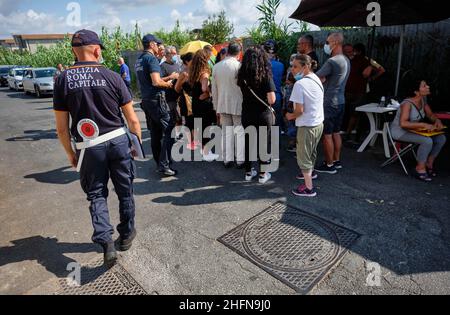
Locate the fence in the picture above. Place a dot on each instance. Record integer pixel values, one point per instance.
(426, 55)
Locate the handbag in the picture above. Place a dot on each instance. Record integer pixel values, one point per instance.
(264, 103)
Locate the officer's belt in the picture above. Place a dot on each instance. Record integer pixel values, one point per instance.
(102, 139)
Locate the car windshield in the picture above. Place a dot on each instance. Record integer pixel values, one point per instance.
(19, 73)
(48, 73)
(4, 70)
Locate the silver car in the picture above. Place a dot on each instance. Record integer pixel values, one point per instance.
(39, 81)
(15, 78)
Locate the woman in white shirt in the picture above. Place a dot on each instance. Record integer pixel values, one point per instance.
(307, 96)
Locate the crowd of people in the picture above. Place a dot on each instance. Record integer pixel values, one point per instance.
(236, 94)
(310, 103)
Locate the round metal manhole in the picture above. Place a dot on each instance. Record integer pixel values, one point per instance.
(291, 242)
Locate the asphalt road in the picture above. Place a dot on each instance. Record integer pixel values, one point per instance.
(45, 222)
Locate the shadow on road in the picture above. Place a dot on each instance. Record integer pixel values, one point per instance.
(60, 176)
(21, 95)
(36, 135)
(48, 252)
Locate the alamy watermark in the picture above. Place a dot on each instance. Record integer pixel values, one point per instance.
(74, 277)
(374, 18)
(374, 275)
(74, 17)
(262, 145)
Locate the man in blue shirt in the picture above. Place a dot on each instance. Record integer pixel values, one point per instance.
(160, 119)
(278, 71)
(125, 73)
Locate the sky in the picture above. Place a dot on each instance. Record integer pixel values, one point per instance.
(45, 16)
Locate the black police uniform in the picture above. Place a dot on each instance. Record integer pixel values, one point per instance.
(160, 118)
(90, 91)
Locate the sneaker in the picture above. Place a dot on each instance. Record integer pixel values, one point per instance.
(314, 176)
(249, 176)
(210, 157)
(338, 165)
(109, 255)
(124, 245)
(169, 173)
(302, 191)
(324, 168)
(264, 178)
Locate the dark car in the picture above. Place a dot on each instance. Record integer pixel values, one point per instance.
(4, 72)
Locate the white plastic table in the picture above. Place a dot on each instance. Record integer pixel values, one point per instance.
(372, 111)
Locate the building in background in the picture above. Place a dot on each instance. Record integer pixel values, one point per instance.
(8, 43)
(32, 42)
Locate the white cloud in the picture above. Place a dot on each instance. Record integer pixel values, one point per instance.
(32, 22)
(133, 4)
(213, 6)
(242, 13)
(175, 15)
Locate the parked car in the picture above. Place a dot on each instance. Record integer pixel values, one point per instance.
(15, 78)
(4, 71)
(39, 81)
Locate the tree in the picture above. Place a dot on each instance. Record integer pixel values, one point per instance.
(176, 37)
(217, 29)
(269, 28)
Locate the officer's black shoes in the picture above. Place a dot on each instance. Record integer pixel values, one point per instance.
(123, 245)
(110, 255)
(168, 173)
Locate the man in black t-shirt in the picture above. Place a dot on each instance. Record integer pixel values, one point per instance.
(160, 118)
(95, 98)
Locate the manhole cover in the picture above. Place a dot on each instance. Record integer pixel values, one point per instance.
(295, 247)
(97, 280)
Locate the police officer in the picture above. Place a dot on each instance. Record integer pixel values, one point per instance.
(95, 98)
(160, 118)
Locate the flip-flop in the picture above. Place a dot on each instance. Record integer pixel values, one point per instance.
(422, 176)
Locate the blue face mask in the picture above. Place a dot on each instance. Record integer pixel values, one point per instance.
(174, 59)
(299, 76)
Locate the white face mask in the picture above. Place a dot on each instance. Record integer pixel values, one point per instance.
(327, 49)
(101, 60)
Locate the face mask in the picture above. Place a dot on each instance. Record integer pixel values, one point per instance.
(101, 60)
(174, 59)
(327, 49)
(299, 76)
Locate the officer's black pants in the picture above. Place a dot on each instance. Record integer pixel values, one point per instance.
(160, 122)
(113, 160)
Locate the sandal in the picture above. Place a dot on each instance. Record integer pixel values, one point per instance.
(431, 172)
(422, 176)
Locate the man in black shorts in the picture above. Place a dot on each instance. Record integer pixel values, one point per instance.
(334, 74)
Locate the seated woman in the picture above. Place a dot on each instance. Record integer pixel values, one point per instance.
(416, 115)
